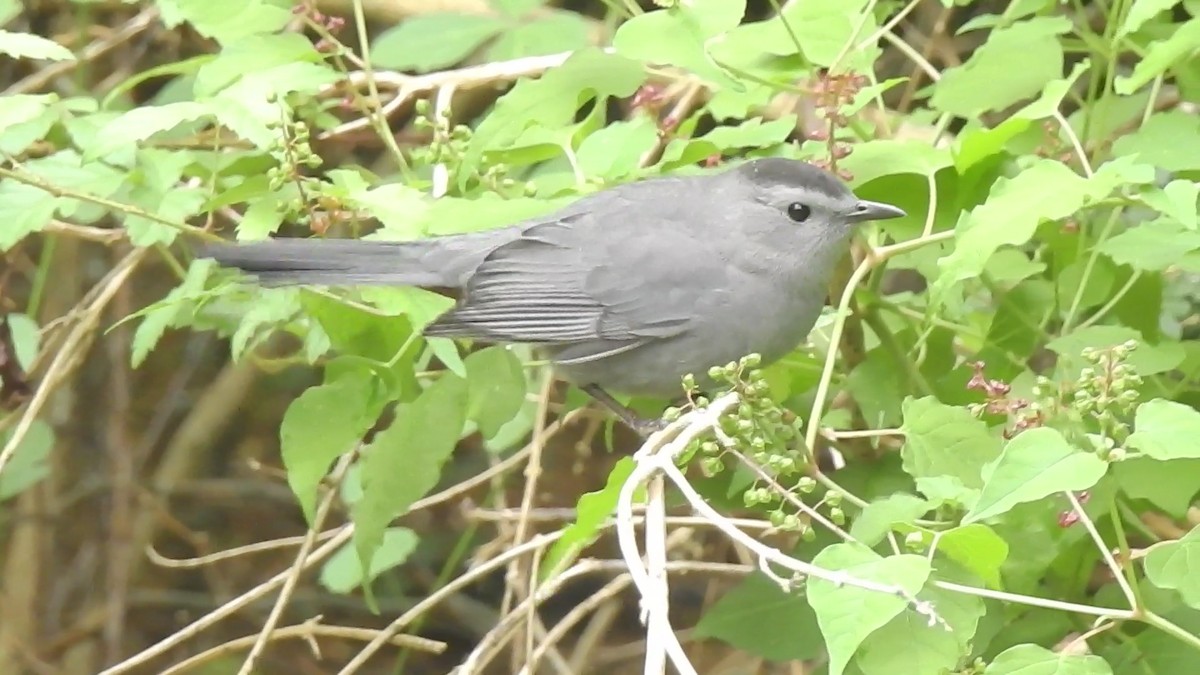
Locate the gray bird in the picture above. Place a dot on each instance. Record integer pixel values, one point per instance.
(627, 289)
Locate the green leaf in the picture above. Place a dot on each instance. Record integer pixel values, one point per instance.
(552, 100)
(25, 338)
(591, 511)
(1156, 652)
(429, 42)
(1037, 660)
(28, 210)
(262, 218)
(1176, 564)
(29, 46)
(1177, 201)
(734, 104)
(942, 440)
(497, 388)
(343, 572)
(679, 36)
(19, 109)
(9, 9)
(323, 423)
(271, 306)
(1166, 430)
(1140, 12)
(926, 648)
(977, 548)
(404, 462)
(174, 206)
(947, 490)
(1152, 246)
(450, 215)
(614, 151)
(876, 389)
(142, 123)
(1101, 278)
(974, 146)
(877, 519)
(848, 614)
(356, 330)
(823, 31)
(1168, 140)
(889, 157)
(30, 463)
(183, 68)
(1016, 63)
(739, 616)
(264, 51)
(227, 20)
(752, 133)
(1147, 359)
(1052, 96)
(1177, 50)
(1170, 486)
(557, 32)
(170, 311)
(1046, 190)
(252, 106)
(1035, 464)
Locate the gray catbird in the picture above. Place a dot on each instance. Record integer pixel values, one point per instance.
(627, 289)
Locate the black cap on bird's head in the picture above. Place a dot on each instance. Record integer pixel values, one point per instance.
(790, 176)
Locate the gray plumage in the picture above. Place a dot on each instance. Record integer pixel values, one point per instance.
(630, 288)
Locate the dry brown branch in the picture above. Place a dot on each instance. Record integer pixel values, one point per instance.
(308, 631)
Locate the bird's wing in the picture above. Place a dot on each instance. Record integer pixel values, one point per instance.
(568, 281)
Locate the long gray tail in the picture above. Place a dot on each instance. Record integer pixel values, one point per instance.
(445, 262)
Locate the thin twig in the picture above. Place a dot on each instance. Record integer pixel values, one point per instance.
(71, 352)
(533, 471)
(40, 77)
(408, 86)
(308, 631)
(298, 567)
(479, 571)
(229, 608)
(229, 554)
(1113, 565)
(338, 538)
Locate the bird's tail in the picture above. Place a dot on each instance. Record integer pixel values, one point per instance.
(440, 262)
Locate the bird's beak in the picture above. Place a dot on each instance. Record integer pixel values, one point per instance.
(866, 210)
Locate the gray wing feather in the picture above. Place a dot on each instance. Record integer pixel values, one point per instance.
(549, 287)
(529, 290)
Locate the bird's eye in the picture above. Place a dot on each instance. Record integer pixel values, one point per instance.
(798, 212)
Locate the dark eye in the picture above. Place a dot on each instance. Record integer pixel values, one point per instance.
(798, 212)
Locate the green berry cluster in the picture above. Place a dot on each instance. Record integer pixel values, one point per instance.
(768, 435)
(1100, 401)
(449, 146)
(1108, 391)
(1109, 388)
(449, 143)
(292, 151)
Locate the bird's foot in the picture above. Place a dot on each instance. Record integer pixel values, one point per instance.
(643, 426)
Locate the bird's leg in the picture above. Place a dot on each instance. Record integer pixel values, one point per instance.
(644, 427)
